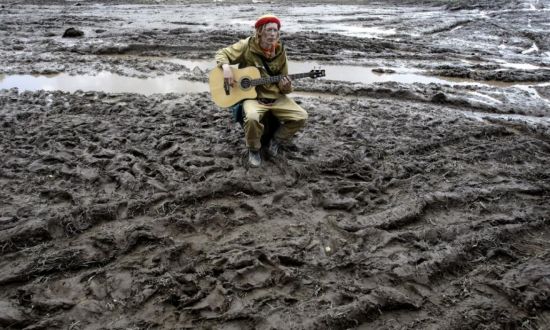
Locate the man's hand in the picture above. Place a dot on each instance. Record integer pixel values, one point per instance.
(285, 85)
(228, 75)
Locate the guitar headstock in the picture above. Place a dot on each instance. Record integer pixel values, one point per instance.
(316, 73)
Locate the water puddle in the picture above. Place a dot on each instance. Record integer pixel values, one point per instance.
(480, 116)
(365, 74)
(172, 83)
(505, 64)
(534, 49)
(348, 73)
(102, 82)
(520, 66)
(532, 120)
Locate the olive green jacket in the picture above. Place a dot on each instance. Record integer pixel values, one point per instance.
(247, 52)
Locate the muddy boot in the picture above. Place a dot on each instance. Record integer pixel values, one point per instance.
(274, 146)
(254, 158)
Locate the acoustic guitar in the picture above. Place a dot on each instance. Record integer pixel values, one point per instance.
(246, 80)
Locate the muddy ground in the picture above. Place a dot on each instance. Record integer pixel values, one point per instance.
(399, 206)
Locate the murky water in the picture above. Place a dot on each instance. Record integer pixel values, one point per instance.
(481, 116)
(505, 64)
(103, 82)
(348, 73)
(171, 83)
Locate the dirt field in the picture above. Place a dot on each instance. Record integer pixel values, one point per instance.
(399, 206)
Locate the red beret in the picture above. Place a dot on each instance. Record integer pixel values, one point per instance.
(267, 19)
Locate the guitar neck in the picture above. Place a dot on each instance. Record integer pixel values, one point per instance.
(276, 79)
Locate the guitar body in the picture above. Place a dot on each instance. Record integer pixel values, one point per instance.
(246, 80)
(241, 90)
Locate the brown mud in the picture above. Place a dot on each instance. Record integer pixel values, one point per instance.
(399, 206)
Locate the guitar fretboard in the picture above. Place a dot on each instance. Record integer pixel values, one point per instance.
(276, 79)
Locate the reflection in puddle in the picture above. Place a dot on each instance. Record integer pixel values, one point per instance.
(103, 82)
(487, 99)
(371, 31)
(114, 83)
(519, 66)
(518, 118)
(481, 116)
(505, 64)
(361, 74)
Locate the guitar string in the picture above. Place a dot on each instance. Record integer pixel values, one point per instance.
(274, 79)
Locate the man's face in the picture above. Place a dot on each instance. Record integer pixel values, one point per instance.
(270, 32)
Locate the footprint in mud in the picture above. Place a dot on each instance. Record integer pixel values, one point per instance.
(18, 234)
(332, 242)
(57, 196)
(332, 201)
(215, 301)
(50, 163)
(256, 276)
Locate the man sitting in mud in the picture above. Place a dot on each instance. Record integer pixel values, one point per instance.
(264, 51)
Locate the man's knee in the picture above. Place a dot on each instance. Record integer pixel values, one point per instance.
(305, 116)
(251, 116)
(300, 115)
(297, 123)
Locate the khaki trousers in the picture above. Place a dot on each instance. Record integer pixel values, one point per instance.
(290, 114)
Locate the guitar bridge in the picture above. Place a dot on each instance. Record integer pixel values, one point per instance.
(226, 87)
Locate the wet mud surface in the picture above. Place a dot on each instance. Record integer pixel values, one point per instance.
(399, 206)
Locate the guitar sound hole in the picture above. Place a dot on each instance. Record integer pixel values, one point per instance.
(245, 83)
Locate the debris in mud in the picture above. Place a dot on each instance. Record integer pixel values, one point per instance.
(72, 33)
(383, 70)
